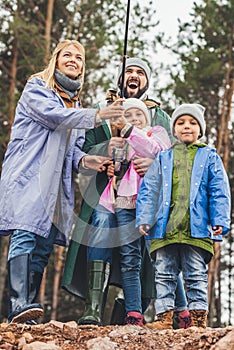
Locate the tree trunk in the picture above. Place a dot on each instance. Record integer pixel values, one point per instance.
(227, 122)
(41, 296)
(223, 144)
(12, 87)
(211, 283)
(3, 265)
(48, 26)
(58, 266)
(230, 279)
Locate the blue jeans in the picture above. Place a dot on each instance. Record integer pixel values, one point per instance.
(121, 232)
(170, 260)
(37, 247)
(180, 296)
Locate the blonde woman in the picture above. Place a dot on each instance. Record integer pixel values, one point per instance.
(36, 187)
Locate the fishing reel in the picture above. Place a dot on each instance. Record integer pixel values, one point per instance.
(119, 157)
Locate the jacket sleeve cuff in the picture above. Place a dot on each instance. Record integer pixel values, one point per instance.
(126, 131)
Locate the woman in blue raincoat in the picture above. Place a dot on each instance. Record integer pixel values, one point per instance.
(36, 187)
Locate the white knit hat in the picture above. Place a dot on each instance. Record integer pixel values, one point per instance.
(195, 110)
(138, 62)
(137, 103)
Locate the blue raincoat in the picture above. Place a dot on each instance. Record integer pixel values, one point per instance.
(36, 187)
(210, 203)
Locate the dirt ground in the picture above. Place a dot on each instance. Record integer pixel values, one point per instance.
(69, 336)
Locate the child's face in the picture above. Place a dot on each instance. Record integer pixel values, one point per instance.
(136, 117)
(187, 129)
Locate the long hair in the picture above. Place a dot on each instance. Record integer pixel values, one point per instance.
(48, 73)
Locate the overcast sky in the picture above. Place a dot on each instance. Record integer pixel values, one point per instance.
(168, 13)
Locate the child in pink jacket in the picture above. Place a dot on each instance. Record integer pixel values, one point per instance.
(142, 140)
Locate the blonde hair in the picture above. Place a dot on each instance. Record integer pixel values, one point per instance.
(48, 73)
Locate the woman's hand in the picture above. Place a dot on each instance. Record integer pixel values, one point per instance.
(97, 163)
(113, 111)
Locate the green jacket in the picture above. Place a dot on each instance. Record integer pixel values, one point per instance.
(178, 225)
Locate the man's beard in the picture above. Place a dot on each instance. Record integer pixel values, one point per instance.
(134, 94)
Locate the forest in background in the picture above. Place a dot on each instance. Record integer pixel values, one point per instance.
(204, 73)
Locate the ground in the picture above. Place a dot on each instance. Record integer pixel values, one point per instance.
(69, 336)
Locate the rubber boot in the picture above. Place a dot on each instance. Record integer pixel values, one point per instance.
(145, 302)
(164, 321)
(21, 310)
(198, 318)
(118, 314)
(35, 279)
(98, 276)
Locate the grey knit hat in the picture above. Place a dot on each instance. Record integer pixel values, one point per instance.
(138, 62)
(195, 110)
(137, 103)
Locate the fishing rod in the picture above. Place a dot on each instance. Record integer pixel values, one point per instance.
(119, 155)
(125, 51)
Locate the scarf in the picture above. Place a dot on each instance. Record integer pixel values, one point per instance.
(70, 86)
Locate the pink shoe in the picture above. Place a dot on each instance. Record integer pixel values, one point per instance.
(135, 318)
(182, 320)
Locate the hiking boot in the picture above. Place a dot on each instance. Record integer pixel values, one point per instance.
(198, 318)
(135, 318)
(181, 320)
(164, 321)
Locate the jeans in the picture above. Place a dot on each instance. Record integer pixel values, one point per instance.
(180, 296)
(37, 247)
(191, 260)
(122, 233)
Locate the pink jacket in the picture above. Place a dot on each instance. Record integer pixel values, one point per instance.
(145, 144)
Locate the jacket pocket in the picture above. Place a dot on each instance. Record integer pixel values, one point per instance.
(26, 177)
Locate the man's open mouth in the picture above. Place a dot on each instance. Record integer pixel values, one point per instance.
(133, 84)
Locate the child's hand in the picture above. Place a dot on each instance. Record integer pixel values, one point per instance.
(217, 230)
(141, 165)
(110, 170)
(119, 123)
(143, 229)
